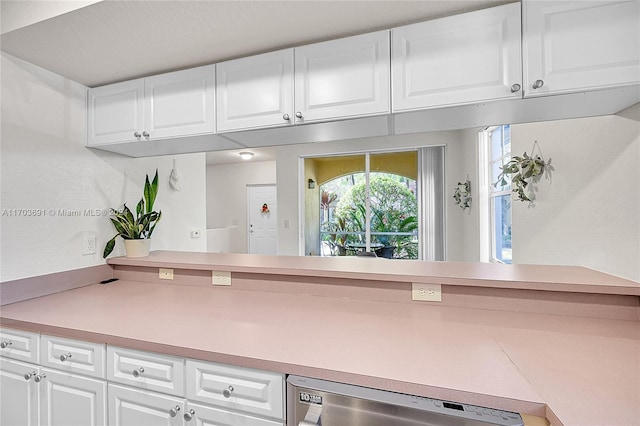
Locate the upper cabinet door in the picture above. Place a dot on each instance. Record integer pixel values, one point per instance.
(342, 78)
(180, 103)
(116, 113)
(576, 45)
(459, 59)
(256, 91)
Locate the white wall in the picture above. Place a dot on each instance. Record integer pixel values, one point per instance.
(227, 197)
(287, 158)
(588, 214)
(45, 166)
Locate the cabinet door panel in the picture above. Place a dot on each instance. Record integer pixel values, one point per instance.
(571, 45)
(72, 400)
(343, 78)
(115, 112)
(456, 60)
(256, 91)
(209, 416)
(180, 103)
(18, 397)
(132, 407)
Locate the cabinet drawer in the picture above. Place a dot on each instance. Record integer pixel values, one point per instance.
(20, 345)
(242, 389)
(73, 356)
(146, 370)
(134, 407)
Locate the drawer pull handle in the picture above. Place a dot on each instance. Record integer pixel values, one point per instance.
(6, 343)
(138, 372)
(174, 411)
(137, 135)
(299, 115)
(538, 84)
(65, 357)
(286, 117)
(28, 376)
(188, 416)
(39, 377)
(515, 88)
(145, 134)
(227, 392)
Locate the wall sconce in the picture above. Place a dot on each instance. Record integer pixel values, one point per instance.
(311, 184)
(246, 155)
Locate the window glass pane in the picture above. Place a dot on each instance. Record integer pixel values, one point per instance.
(501, 215)
(506, 140)
(496, 143)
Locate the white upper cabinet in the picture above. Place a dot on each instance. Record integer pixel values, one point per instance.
(168, 105)
(332, 80)
(180, 103)
(458, 59)
(342, 78)
(576, 45)
(116, 112)
(256, 91)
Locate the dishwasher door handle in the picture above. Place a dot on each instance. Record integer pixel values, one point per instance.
(312, 418)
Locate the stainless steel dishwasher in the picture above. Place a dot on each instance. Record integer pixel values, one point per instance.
(313, 402)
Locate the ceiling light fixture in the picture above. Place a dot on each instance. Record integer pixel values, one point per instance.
(246, 155)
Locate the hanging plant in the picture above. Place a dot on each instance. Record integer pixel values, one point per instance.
(521, 171)
(462, 194)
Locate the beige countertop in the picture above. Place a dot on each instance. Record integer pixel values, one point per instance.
(583, 371)
(533, 277)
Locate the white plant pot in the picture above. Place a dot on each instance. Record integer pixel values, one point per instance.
(137, 248)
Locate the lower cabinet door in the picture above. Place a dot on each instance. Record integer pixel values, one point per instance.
(72, 400)
(139, 407)
(18, 394)
(200, 415)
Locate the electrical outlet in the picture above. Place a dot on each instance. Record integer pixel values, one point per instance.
(426, 292)
(88, 243)
(221, 278)
(165, 274)
(195, 233)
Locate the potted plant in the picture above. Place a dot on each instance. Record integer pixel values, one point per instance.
(136, 230)
(521, 171)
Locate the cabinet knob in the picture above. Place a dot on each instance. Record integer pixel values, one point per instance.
(138, 372)
(188, 416)
(6, 343)
(39, 377)
(515, 88)
(28, 376)
(227, 392)
(299, 115)
(538, 84)
(145, 134)
(137, 135)
(64, 357)
(286, 117)
(174, 411)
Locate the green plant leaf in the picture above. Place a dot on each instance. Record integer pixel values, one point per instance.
(108, 248)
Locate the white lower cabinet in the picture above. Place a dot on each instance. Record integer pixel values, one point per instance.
(71, 400)
(138, 407)
(65, 385)
(19, 400)
(202, 415)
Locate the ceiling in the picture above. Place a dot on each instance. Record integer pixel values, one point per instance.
(233, 156)
(112, 41)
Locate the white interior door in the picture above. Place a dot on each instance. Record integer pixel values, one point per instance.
(262, 219)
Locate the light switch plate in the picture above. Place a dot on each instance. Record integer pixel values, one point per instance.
(221, 278)
(426, 292)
